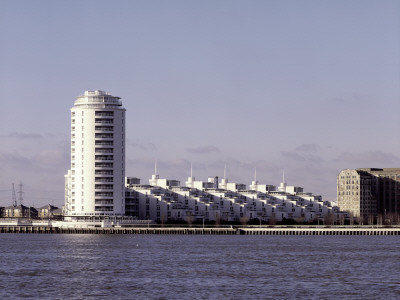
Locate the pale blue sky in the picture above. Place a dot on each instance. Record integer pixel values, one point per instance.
(311, 87)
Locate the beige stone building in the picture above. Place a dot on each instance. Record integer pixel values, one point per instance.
(20, 211)
(369, 192)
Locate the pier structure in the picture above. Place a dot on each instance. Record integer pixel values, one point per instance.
(230, 230)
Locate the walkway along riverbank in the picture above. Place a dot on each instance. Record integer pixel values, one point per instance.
(206, 231)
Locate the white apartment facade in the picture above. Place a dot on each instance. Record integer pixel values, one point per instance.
(197, 201)
(95, 183)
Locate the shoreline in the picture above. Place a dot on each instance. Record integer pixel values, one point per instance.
(231, 230)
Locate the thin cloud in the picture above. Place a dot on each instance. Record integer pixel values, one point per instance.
(353, 98)
(14, 159)
(144, 146)
(203, 150)
(302, 157)
(308, 148)
(368, 157)
(52, 159)
(22, 136)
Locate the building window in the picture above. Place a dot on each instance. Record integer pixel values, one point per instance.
(104, 113)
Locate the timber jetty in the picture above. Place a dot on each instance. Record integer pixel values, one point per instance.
(230, 230)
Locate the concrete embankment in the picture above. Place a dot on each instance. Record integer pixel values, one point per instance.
(320, 231)
(117, 230)
(205, 231)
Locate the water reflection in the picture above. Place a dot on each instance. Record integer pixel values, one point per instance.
(233, 267)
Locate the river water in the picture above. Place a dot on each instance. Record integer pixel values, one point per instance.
(35, 266)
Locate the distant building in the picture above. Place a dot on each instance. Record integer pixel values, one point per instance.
(50, 212)
(20, 211)
(369, 192)
(94, 186)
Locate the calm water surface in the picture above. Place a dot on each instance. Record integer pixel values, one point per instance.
(198, 267)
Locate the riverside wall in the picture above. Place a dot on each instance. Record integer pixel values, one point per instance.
(205, 231)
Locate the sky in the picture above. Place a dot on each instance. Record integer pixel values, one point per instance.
(308, 87)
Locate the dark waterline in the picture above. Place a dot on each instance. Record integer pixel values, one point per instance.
(199, 267)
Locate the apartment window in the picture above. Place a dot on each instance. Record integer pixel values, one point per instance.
(104, 113)
(104, 143)
(104, 179)
(104, 157)
(104, 128)
(103, 186)
(104, 201)
(104, 135)
(104, 172)
(103, 194)
(104, 165)
(104, 121)
(104, 150)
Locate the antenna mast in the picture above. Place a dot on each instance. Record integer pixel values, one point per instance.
(20, 199)
(14, 197)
